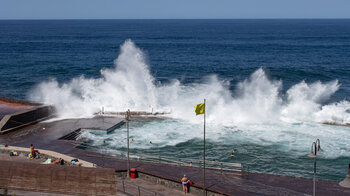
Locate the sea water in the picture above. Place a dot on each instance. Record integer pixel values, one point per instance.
(269, 85)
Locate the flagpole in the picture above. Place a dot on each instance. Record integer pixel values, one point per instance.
(204, 192)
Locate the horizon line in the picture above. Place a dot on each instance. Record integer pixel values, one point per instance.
(174, 18)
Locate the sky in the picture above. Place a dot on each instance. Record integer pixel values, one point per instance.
(173, 9)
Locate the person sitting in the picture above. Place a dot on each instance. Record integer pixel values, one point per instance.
(33, 153)
(74, 161)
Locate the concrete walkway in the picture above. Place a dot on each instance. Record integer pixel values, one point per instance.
(147, 188)
(50, 154)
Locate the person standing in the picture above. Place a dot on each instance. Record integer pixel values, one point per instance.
(184, 181)
(31, 155)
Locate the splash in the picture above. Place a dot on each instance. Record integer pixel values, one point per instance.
(130, 85)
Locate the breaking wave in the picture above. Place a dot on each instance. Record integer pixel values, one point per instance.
(130, 85)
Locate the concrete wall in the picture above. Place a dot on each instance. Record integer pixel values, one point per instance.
(57, 179)
(24, 118)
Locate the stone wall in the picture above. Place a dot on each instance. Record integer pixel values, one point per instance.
(57, 179)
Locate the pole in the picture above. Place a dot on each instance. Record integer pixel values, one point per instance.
(314, 192)
(127, 127)
(204, 192)
(316, 148)
(314, 144)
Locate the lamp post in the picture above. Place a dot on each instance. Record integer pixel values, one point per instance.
(316, 146)
(346, 182)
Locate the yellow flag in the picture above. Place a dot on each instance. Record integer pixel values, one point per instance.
(200, 108)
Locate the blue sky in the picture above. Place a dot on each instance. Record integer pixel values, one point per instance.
(175, 9)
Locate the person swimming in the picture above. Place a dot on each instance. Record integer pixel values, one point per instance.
(233, 152)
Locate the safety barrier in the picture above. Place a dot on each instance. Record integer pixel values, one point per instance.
(191, 162)
(211, 164)
(133, 189)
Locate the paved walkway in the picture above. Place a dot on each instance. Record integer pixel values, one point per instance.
(50, 154)
(147, 188)
(30, 193)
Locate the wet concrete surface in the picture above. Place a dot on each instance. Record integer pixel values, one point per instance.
(227, 182)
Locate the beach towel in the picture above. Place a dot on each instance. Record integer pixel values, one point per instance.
(48, 161)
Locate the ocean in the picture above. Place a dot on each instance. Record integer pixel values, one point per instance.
(270, 85)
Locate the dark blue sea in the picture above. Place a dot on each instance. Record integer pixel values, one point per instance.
(270, 84)
(292, 50)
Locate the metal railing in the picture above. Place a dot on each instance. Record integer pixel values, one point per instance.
(136, 190)
(212, 164)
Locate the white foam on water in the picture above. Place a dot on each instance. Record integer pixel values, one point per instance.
(257, 106)
(295, 139)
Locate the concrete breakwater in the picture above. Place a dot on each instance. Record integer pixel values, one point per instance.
(17, 114)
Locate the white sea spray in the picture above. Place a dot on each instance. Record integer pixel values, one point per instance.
(257, 106)
(130, 85)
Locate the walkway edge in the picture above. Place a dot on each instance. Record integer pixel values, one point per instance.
(50, 153)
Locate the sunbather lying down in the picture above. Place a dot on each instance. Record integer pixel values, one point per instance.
(57, 161)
